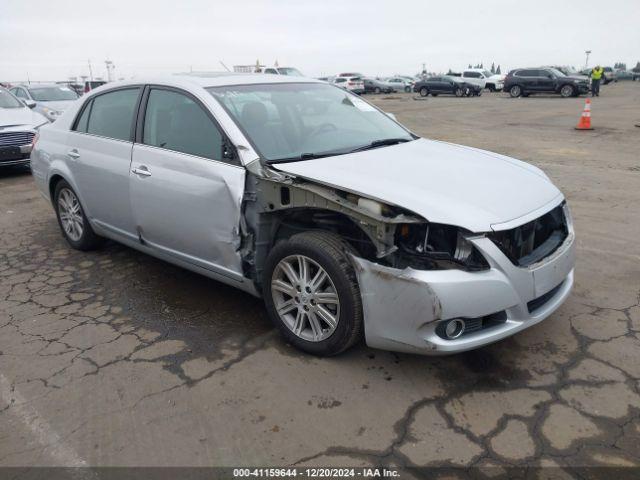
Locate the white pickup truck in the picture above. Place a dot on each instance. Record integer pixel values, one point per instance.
(483, 78)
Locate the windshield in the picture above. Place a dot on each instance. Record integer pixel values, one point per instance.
(9, 101)
(288, 121)
(294, 72)
(557, 72)
(52, 94)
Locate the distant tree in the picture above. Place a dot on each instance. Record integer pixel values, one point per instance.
(636, 68)
(498, 70)
(493, 67)
(470, 66)
(449, 72)
(620, 66)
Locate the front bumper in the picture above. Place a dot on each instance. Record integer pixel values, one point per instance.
(20, 157)
(402, 308)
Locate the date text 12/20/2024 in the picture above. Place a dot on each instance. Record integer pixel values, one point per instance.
(315, 473)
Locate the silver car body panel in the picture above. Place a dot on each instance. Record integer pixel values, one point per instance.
(189, 207)
(189, 212)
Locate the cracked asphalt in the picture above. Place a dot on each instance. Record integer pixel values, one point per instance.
(114, 358)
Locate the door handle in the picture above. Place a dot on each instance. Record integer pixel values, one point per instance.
(142, 171)
(73, 153)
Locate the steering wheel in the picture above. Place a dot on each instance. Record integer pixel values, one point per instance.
(323, 128)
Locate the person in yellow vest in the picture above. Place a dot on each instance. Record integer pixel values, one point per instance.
(596, 77)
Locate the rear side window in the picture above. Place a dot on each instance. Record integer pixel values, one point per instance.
(112, 114)
(81, 125)
(472, 74)
(176, 122)
(526, 73)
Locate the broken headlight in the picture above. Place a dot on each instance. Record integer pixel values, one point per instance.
(435, 246)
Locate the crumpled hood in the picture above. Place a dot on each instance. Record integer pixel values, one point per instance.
(442, 182)
(20, 116)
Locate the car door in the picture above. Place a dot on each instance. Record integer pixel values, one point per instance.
(99, 155)
(185, 196)
(545, 81)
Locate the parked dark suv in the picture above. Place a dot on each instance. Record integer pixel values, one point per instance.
(524, 81)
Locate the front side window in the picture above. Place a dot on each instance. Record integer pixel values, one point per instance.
(112, 114)
(176, 122)
(52, 94)
(296, 120)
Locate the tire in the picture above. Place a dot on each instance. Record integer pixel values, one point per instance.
(491, 87)
(458, 92)
(424, 92)
(567, 91)
(320, 250)
(376, 90)
(407, 89)
(77, 230)
(515, 91)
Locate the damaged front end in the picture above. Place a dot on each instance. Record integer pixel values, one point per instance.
(426, 288)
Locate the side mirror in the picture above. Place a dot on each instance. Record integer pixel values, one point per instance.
(29, 103)
(391, 116)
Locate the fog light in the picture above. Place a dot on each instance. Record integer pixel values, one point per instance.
(454, 328)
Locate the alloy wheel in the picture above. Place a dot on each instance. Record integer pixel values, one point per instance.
(70, 214)
(305, 298)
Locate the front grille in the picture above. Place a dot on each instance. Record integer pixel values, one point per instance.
(15, 139)
(539, 302)
(533, 241)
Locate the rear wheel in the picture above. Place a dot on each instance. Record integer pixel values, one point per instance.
(459, 92)
(75, 227)
(567, 91)
(515, 91)
(312, 295)
(424, 92)
(407, 89)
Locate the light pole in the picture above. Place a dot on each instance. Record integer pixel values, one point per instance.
(586, 62)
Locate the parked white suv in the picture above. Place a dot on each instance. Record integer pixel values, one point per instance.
(353, 84)
(484, 79)
(346, 223)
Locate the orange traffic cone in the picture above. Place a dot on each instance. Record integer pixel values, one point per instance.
(585, 118)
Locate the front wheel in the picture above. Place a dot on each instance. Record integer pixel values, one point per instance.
(75, 227)
(567, 91)
(491, 87)
(376, 90)
(407, 89)
(515, 91)
(312, 295)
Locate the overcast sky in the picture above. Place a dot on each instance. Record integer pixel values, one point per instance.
(54, 39)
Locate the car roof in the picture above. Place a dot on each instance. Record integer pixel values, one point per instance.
(213, 79)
